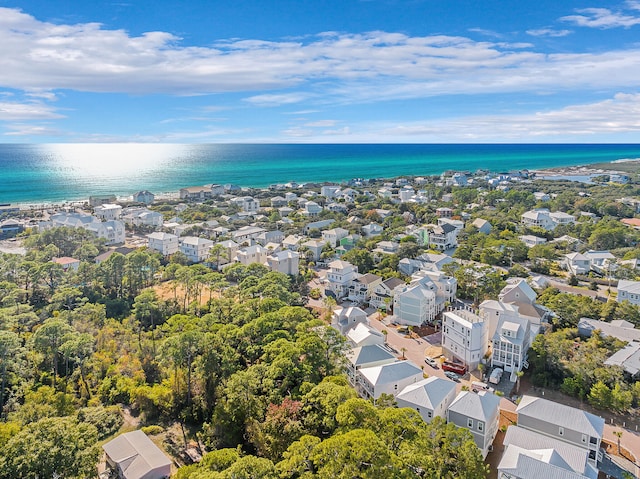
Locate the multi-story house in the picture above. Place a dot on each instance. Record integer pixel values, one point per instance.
(629, 291)
(479, 413)
(362, 288)
(285, 261)
(333, 236)
(442, 237)
(464, 337)
(382, 297)
(108, 211)
(246, 234)
(246, 204)
(365, 357)
(164, 243)
(195, 249)
(562, 422)
(252, 254)
(510, 344)
(339, 277)
(344, 319)
(388, 378)
(430, 397)
(528, 454)
(414, 304)
(145, 197)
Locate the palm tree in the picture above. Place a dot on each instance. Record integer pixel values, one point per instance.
(519, 374)
(618, 434)
(403, 350)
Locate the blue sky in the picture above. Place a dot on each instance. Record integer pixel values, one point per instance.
(320, 71)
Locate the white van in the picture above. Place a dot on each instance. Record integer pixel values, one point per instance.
(496, 376)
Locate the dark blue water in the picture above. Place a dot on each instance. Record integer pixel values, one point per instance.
(60, 172)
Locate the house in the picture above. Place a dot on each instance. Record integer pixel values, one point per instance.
(133, 455)
(442, 237)
(530, 240)
(479, 413)
(561, 218)
(196, 249)
(386, 247)
(246, 234)
(145, 197)
(329, 191)
(628, 358)
(251, 254)
(415, 304)
(577, 263)
(67, 263)
(195, 193)
(444, 212)
(292, 242)
(10, 228)
(315, 248)
(164, 243)
(338, 208)
(246, 204)
(364, 335)
(430, 397)
(382, 297)
(366, 356)
(339, 277)
(362, 288)
(228, 251)
(538, 218)
(519, 293)
(311, 209)
(388, 378)
(372, 229)
(564, 423)
(108, 211)
(112, 231)
(333, 236)
(602, 262)
(510, 344)
(344, 319)
(482, 225)
(629, 291)
(142, 217)
(529, 455)
(541, 196)
(286, 262)
(621, 329)
(216, 190)
(278, 202)
(97, 200)
(464, 337)
(317, 225)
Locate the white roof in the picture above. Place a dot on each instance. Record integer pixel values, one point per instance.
(390, 373)
(428, 393)
(560, 415)
(535, 464)
(629, 286)
(368, 354)
(135, 454)
(161, 236)
(360, 332)
(482, 406)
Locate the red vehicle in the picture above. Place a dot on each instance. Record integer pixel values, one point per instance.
(454, 367)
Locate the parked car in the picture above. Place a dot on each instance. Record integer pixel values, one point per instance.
(454, 367)
(480, 386)
(496, 376)
(431, 362)
(453, 376)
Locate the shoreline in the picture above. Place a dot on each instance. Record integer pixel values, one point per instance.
(581, 173)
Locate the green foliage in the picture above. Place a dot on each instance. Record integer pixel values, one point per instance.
(107, 420)
(153, 430)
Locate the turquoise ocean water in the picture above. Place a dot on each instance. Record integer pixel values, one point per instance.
(64, 172)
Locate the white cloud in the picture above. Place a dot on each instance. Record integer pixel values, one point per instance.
(44, 57)
(548, 32)
(618, 115)
(19, 129)
(26, 111)
(321, 123)
(602, 18)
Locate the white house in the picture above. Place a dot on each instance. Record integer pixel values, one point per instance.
(108, 211)
(530, 240)
(339, 277)
(387, 378)
(430, 397)
(366, 356)
(482, 225)
(252, 254)
(382, 296)
(246, 234)
(195, 249)
(510, 344)
(333, 236)
(442, 237)
(561, 218)
(112, 231)
(372, 229)
(133, 455)
(164, 243)
(246, 204)
(329, 191)
(363, 287)
(602, 262)
(629, 291)
(565, 423)
(479, 413)
(464, 337)
(414, 304)
(537, 218)
(344, 319)
(142, 217)
(364, 335)
(311, 209)
(286, 262)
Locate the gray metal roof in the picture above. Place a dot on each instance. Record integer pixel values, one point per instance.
(560, 415)
(136, 455)
(527, 464)
(428, 393)
(481, 406)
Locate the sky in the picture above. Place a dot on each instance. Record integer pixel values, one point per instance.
(320, 71)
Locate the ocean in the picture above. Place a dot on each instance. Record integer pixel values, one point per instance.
(69, 172)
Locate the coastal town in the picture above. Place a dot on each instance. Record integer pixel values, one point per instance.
(226, 327)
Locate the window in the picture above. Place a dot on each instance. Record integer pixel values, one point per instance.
(470, 423)
(429, 414)
(593, 440)
(584, 438)
(561, 431)
(480, 426)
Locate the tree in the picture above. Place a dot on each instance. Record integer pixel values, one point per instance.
(281, 427)
(47, 340)
(618, 435)
(600, 395)
(9, 344)
(51, 447)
